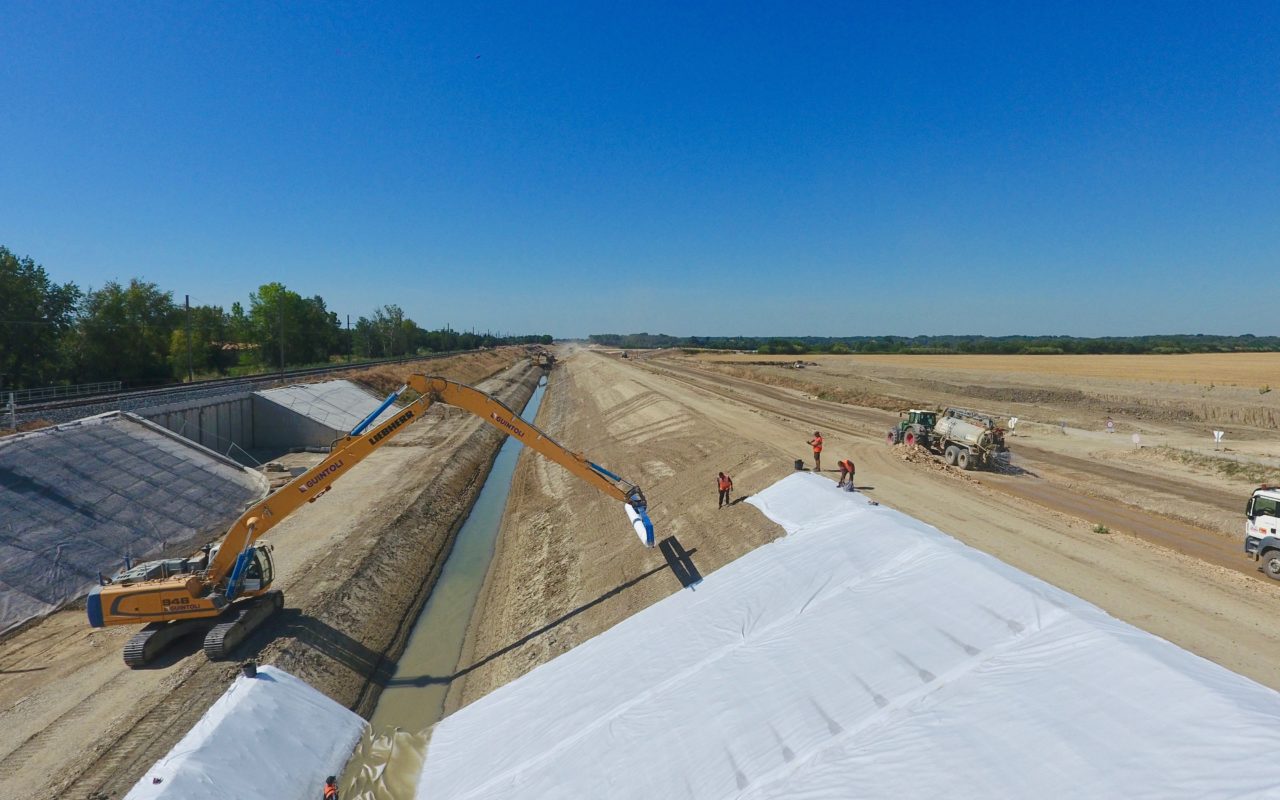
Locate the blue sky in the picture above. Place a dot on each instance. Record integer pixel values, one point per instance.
(824, 169)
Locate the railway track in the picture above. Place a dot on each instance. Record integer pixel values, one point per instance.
(59, 411)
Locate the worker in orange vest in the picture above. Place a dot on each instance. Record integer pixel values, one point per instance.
(846, 472)
(726, 484)
(816, 441)
(331, 788)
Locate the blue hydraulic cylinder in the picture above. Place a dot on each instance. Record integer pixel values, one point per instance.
(242, 564)
(367, 421)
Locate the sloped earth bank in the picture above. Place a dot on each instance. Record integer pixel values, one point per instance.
(355, 568)
(567, 567)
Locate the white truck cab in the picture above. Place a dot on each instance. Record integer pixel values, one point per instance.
(1262, 529)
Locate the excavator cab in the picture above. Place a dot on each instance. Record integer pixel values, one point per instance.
(261, 570)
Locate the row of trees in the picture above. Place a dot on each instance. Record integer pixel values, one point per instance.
(53, 333)
(999, 345)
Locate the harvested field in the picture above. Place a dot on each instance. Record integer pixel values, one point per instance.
(1225, 369)
(1139, 392)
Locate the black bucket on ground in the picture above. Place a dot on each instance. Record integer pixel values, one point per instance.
(799, 464)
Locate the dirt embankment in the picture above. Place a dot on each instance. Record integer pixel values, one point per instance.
(468, 368)
(354, 567)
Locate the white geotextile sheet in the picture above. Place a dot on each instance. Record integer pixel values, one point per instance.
(865, 655)
(271, 736)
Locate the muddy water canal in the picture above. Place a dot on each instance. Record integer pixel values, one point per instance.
(387, 762)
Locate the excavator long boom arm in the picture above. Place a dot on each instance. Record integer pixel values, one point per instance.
(209, 590)
(509, 422)
(366, 438)
(229, 595)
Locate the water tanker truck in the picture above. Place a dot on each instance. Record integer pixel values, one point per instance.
(964, 439)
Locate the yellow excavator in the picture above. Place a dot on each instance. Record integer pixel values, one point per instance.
(226, 590)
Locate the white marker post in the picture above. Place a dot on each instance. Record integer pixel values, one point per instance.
(1013, 423)
(1137, 440)
(1217, 438)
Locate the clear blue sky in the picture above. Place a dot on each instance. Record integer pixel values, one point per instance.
(826, 169)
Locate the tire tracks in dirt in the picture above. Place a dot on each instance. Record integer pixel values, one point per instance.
(1163, 530)
(1222, 614)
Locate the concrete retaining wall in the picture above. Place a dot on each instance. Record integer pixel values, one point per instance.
(279, 428)
(222, 424)
(309, 415)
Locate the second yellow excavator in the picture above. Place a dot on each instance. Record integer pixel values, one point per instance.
(226, 590)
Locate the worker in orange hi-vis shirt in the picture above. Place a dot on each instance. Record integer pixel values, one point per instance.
(725, 483)
(816, 441)
(846, 472)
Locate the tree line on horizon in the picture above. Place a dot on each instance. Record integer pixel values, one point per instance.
(52, 333)
(950, 344)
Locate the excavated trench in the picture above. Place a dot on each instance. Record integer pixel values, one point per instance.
(387, 762)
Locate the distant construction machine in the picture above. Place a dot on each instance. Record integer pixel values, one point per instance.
(226, 590)
(1262, 529)
(541, 357)
(964, 439)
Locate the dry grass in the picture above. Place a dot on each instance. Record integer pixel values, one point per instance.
(1226, 467)
(465, 368)
(1253, 370)
(30, 425)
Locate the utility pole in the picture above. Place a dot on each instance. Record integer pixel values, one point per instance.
(280, 300)
(187, 302)
(351, 343)
(13, 408)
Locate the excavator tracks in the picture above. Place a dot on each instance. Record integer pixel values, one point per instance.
(243, 619)
(153, 639)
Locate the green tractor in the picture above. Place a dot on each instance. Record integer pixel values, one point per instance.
(915, 429)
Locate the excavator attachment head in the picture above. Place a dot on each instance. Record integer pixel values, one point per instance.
(640, 523)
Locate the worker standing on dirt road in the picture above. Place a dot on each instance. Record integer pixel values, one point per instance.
(816, 441)
(846, 473)
(331, 788)
(725, 483)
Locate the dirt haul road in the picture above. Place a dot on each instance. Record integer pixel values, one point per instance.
(567, 568)
(76, 723)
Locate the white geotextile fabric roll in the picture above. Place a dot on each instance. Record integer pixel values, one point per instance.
(864, 655)
(268, 736)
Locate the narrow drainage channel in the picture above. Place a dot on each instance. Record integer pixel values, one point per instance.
(387, 761)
